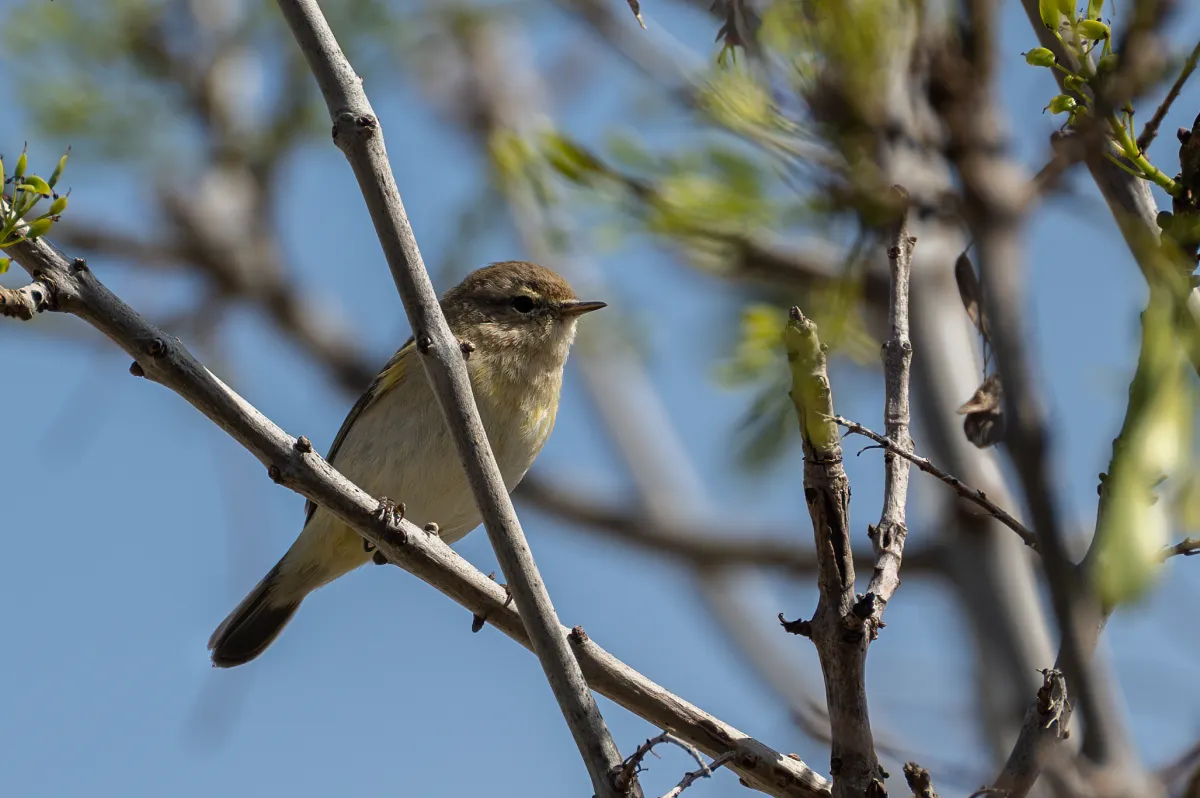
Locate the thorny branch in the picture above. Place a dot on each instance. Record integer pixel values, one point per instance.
(969, 493)
(357, 133)
(293, 464)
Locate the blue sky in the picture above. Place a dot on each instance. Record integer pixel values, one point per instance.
(131, 524)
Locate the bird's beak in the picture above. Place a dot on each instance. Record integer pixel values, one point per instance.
(579, 308)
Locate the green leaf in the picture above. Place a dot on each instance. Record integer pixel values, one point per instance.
(4, 262)
(569, 159)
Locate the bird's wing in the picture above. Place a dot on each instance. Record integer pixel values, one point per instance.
(391, 375)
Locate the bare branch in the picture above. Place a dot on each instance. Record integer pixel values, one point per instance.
(25, 302)
(1044, 727)
(1184, 548)
(291, 463)
(357, 133)
(841, 649)
(972, 495)
(633, 765)
(889, 536)
(703, 773)
(1151, 129)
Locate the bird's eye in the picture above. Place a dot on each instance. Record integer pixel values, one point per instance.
(522, 304)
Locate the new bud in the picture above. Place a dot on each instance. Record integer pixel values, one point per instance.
(1039, 57)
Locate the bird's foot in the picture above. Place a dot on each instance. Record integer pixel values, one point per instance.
(388, 512)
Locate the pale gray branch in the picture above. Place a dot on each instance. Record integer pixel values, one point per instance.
(703, 772)
(25, 302)
(294, 464)
(357, 133)
(889, 536)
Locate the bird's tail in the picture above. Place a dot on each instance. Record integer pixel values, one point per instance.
(255, 623)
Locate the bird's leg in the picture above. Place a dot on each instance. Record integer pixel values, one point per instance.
(390, 513)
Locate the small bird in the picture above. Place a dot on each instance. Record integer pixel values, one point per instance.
(516, 322)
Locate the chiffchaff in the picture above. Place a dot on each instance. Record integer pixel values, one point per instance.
(520, 320)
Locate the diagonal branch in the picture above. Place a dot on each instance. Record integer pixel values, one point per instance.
(356, 131)
(1150, 131)
(964, 490)
(290, 462)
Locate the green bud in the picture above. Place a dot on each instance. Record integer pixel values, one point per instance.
(1066, 8)
(1039, 57)
(1061, 103)
(1, 173)
(21, 162)
(39, 228)
(58, 206)
(1093, 29)
(58, 170)
(4, 264)
(1074, 83)
(1050, 13)
(36, 185)
(1107, 63)
(1094, 8)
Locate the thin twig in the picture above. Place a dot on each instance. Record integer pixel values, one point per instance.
(357, 133)
(1151, 128)
(633, 765)
(1184, 548)
(972, 495)
(889, 536)
(703, 773)
(164, 360)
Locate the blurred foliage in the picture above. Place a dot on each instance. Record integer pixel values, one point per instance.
(27, 192)
(135, 80)
(1085, 36)
(1155, 444)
